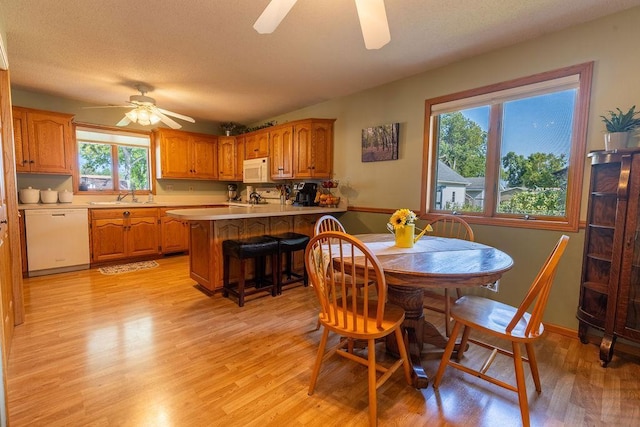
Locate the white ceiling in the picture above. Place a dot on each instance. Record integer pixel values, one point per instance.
(204, 59)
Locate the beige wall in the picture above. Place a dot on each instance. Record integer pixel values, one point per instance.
(393, 184)
(609, 42)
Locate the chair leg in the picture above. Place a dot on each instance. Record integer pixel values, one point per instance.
(447, 313)
(373, 407)
(241, 284)
(275, 283)
(533, 365)
(463, 343)
(319, 357)
(522, 391)
(402, 348)
(447, 354)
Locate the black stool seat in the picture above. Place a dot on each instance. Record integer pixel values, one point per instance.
(287, 244)
(258, 248)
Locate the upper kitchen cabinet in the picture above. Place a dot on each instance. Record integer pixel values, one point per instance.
(43, 141)
(282, 152)
(186, 155)
(313, 149)
(256, 144)
(229, 168)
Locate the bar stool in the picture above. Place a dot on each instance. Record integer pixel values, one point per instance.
(257, 248)
(288, 243)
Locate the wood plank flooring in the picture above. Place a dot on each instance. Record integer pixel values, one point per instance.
(148, 349)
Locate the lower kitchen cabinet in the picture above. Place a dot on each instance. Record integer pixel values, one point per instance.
(174, 232)
(124, 233)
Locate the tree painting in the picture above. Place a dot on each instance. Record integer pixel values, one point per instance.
(380, 143)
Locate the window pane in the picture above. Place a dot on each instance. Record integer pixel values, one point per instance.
(95, 166)
(133, 168)
(534, 153)
(462, 158)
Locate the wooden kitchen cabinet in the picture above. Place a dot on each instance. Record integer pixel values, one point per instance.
(313, 149)
(186, 155)
(44, 141)
(610, 285)
(229, 168)
(256, 144)
(282, 152)
(174, 232)
(118, 234)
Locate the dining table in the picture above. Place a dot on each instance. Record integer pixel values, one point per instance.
(432, 263)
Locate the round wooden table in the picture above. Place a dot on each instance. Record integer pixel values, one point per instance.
(433, 262)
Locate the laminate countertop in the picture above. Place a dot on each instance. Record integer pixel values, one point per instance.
(252, 211)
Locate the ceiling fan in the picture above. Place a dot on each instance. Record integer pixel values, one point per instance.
(372, 15)
(145, 111)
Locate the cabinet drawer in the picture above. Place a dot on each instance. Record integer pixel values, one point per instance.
(119, 213)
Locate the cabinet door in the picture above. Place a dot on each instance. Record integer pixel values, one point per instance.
(205, 157)
(257, 145)
(49, 141)
(322, 146)
(239, 157)
(142, 236)
(175, 235)
(628, 305)
(107, 239)
(227, 158)
(280, 224)
(282, 152)
(200, 253)
(302, 151)
(20, 137)
(175, 156)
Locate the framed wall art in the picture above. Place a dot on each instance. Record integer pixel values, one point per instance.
(380, 143)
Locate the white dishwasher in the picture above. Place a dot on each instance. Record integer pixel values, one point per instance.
(57, 240)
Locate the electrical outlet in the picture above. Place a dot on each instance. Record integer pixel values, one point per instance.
(191, 188)
(169, 187)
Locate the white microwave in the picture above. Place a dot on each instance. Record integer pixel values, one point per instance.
(256, 170)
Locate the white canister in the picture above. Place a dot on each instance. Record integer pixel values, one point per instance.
(65, 196)
(29, 195)
(49, 196)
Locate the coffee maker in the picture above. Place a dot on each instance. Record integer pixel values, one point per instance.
(306, 194)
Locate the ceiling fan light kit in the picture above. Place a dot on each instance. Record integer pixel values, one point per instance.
(371, 13)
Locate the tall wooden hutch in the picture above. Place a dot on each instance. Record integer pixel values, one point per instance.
(610, 288)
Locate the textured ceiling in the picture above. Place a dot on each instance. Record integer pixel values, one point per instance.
(203, 58)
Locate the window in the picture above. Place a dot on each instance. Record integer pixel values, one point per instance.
(510, 153)
(111, 160)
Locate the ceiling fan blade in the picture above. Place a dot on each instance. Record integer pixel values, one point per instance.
(125, 121)
(273, 14)
(166, 120)
(373, 22)
(107, 106)
(180, 116)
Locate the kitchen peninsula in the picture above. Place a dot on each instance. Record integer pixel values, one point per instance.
(209, 227)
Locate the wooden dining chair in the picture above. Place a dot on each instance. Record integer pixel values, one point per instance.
(447, 226)
(364, 316)
(328, 223)
(509, 323)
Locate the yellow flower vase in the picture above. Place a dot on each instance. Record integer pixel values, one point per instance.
(405, 236)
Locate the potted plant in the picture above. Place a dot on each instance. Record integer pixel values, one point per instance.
(619, 126)
(229, 127)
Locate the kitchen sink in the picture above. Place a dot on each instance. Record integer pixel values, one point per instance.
(114, 202)
(247, 205)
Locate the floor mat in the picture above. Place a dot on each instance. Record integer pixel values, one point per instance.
(126, 268)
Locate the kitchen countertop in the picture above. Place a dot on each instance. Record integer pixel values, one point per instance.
(255, 211)
(113, 205)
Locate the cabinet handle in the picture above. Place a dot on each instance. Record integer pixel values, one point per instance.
(32, 161)
(24, 162)
(126, 213)
(4, 221)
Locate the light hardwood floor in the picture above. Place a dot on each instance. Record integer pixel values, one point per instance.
(148, 349)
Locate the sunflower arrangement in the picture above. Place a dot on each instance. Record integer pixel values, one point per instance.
(401, 217)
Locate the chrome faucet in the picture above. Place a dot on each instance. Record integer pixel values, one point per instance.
(133, 196)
